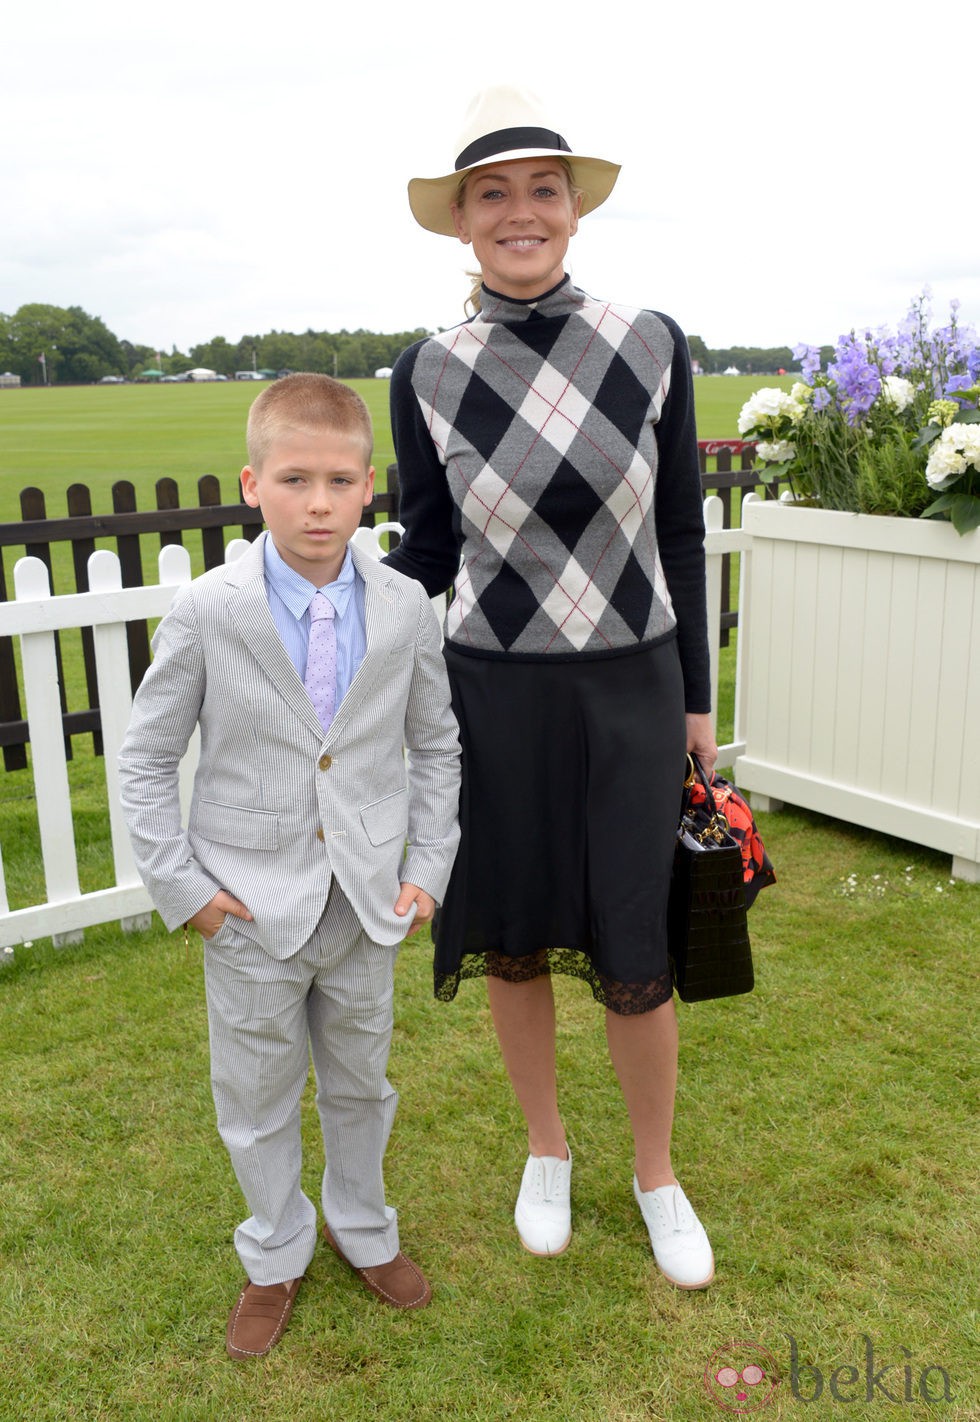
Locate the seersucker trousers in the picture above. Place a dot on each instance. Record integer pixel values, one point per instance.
(266, 1016)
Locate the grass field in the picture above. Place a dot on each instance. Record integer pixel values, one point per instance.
(97, 435)
(826, 1131)
(50, 438)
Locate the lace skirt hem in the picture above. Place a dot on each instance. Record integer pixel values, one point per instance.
(625, 999)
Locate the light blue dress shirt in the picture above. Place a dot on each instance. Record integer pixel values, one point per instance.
(289, 602)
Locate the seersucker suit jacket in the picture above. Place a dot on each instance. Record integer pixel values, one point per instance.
(278, 809)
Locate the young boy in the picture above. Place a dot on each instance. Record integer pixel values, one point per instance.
(308, 854)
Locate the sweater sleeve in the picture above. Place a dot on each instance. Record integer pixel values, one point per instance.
(430, 548)
(680, 523)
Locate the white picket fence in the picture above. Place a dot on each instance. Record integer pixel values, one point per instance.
(35, 616)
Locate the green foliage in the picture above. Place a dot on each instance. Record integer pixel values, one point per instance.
(76, 347)
(962, 509)
(348, 355)
(80, 349)
(698, 351)
(889, 479)
(750, 360)
(826, 464)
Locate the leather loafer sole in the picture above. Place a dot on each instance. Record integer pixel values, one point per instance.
(259, 1318)
(399, 1283)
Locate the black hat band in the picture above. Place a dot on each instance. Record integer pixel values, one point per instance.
(506, 140)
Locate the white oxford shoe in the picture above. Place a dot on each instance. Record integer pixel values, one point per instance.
(543, 1213)
(680, 1245)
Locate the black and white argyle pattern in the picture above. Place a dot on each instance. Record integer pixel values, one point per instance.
(544, 416)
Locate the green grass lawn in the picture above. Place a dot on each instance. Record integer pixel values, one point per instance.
(719, 398)
(826, 1131)
(96, 435)
(50, 438)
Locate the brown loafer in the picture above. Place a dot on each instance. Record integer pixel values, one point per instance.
(259, 1318)
(399, 1283)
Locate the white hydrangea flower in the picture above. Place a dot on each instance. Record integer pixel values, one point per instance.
(766, 406)
(957, 447)
(775, 451)
(801, 393)
(897, 392)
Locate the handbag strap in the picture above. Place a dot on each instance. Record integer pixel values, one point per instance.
(717, 829)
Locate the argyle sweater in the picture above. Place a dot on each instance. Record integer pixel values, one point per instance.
(548, 465)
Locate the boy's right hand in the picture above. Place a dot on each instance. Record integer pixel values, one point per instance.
(209, 919)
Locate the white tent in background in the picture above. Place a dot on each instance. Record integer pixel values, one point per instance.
(383, 373)
(733, 370)
(202, 373)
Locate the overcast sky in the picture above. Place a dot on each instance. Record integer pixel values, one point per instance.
(185, 170)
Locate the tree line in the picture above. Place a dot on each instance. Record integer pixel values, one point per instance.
(748, 360)
(65, 345)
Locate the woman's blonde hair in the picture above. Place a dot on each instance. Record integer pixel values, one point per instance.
(472, 304)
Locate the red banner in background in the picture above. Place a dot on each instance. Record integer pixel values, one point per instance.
(713, 446)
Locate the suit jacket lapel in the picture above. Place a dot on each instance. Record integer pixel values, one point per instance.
(248, 607)
(381, 625)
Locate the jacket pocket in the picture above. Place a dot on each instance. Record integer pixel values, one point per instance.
(386, 819)
(237, 825)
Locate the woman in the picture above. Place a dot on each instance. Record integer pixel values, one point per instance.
(548, 465)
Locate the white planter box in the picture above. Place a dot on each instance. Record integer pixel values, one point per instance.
(861, 673)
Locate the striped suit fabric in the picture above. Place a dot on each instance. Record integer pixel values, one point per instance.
(314, 833)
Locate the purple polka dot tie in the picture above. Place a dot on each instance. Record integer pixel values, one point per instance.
(321, 660)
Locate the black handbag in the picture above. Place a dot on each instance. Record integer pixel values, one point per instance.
(707, 915)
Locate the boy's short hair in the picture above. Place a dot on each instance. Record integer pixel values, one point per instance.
(306, 401)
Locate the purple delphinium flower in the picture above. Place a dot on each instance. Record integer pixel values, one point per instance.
(887, 352)
(964, 349)
(809, 358)
(821, 397)
(952, 358)
(857, 379)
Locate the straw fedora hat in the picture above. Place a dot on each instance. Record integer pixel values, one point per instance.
(504, 124)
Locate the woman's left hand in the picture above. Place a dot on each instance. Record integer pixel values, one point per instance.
(701, 740)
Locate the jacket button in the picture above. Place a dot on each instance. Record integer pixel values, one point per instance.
(325, 762)
(319, 833)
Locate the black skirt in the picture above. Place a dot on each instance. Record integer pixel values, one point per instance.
(572, 779)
